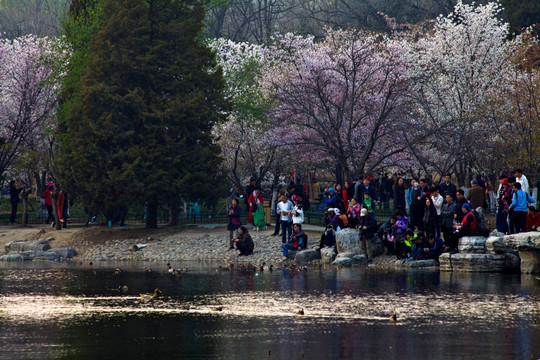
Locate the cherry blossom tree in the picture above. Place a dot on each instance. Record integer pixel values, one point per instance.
(242, 138)
(459, 69)
(30, 69)
(340, 102)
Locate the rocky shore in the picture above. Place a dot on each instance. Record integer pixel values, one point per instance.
(210, 243)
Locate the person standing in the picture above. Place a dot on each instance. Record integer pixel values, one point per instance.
(14, 200)
(367, 230)
(447, 186)
(235, 222)
(254, 200)
(448, 211)
(518, 220)
(437, 201)
(414, 194)
(504, 200)
(249, 190)
(476, 196)
(284, 209)
(46, 196)
(399, 195)
(522, 179)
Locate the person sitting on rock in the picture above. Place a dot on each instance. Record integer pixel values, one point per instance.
(468, 224)
(403, 245)
(386, 233)
(328, 238)
(244, 243)
(434, 247)
(368, 228)
(298, 241)
(533, 219)
(417, 245)
(341, 219)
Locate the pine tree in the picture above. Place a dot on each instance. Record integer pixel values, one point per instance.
(141, 128)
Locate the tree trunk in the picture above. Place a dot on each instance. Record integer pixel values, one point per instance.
(151, 215)
(54, 198)
(24, 195)
(174, 212)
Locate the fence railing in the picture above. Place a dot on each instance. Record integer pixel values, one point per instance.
(202, 217)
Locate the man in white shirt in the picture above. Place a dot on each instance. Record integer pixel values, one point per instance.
(284, 208)
(522, 179)
(437, 201)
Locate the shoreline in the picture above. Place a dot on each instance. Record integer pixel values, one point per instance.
(201, 243)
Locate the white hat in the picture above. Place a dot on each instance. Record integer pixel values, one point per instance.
(363, 212)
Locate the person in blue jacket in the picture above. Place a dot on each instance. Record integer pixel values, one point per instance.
(520, 200)
(330, 199)
(434, 247)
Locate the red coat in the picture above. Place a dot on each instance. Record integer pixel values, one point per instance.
(533, 222)
(47, 197)
(254, 200)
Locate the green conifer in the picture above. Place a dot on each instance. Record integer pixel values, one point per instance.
(141, 128)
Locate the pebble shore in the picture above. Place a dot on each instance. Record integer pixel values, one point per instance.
(188, 247)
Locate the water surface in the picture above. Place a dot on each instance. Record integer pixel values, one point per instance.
(56, 311)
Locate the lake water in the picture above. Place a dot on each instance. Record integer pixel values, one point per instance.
(69, 311)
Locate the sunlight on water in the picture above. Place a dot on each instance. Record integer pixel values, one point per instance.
(409, 308)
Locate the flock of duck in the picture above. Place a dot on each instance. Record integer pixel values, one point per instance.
(157, 294)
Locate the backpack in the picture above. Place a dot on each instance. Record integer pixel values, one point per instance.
(480, 223)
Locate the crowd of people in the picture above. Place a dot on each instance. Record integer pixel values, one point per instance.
(426, 220)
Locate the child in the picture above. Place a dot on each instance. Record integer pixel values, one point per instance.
(369, 205)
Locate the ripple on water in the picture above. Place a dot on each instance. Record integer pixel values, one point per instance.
(410, 308)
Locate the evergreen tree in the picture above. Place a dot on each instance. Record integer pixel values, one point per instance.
(141, 128)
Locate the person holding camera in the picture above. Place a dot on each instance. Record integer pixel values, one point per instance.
(330, 199)
(328, 238)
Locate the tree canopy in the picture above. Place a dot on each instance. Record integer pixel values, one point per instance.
(148, 99)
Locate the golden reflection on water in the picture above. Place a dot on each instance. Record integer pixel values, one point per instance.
(409, 308)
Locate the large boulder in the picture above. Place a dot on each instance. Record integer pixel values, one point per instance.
(22, 245)
(328, 255)
(421, 263)
(495, 245)
(472, 244)
(350, 258)
(64, 252)
(347, 240)
(41, 255)
(306, 256)
(473, 262)
(530, 260)
(13, 257)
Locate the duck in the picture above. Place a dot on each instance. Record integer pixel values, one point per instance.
(123, 289)
(300, 312)
(146, 269)
(217, 308)
(117, 271)
(393, 317)
(155, 295)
